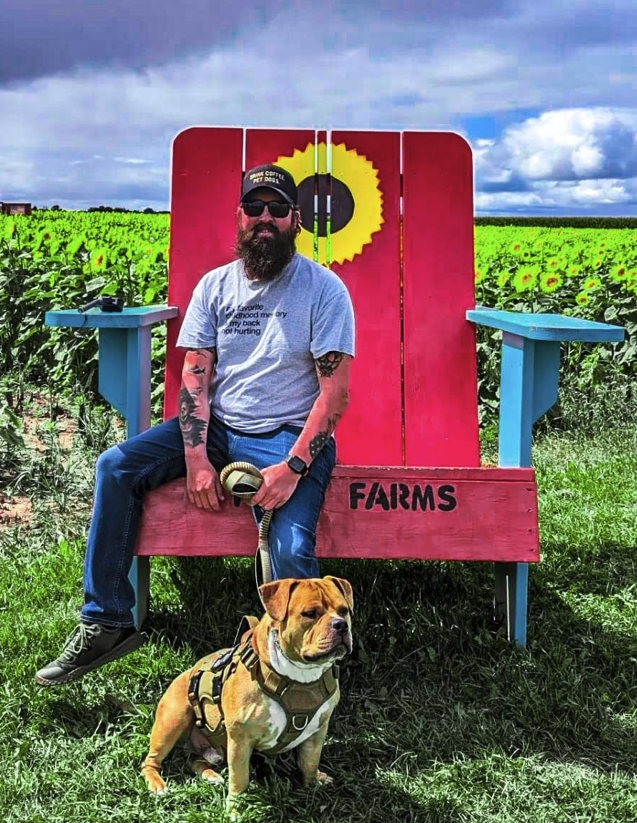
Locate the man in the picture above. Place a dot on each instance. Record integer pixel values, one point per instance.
(269, 392)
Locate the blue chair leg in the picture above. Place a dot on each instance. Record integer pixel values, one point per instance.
(139, 577)
(528, 388)
(511, 585)
(124, 380)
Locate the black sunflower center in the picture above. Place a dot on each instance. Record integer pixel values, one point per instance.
(342, 204)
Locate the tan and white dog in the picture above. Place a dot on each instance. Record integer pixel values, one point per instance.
(292, 649)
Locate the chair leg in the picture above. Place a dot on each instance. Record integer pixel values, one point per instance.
(139, 577)
(511, 584)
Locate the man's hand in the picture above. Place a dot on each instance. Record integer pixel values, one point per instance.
(203, 485)
(279, 483)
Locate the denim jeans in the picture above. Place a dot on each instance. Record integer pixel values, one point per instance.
(127, 471)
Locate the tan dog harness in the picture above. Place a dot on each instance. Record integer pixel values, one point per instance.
(299, 701)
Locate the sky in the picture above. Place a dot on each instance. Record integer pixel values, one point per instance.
(92, 93)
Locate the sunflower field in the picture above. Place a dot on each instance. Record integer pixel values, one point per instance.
(56, 260)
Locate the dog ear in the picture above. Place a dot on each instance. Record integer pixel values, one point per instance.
(276, 597)
(345, 589)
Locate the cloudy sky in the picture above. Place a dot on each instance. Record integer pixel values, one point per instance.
(93, 92)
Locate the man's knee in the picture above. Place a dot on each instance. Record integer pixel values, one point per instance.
(294, 546)
(111, 464)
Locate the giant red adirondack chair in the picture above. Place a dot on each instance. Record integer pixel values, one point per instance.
(409, 483)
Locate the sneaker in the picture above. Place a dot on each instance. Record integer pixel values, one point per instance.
(91, 645)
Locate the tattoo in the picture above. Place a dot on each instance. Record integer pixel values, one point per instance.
(317, 443)
(191, 427)
(328, 363)
(191, 361)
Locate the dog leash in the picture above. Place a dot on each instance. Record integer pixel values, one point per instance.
(244, 480)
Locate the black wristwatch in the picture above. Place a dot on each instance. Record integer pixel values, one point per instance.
(297, 465)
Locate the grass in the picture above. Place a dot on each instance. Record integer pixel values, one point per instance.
(439, 719)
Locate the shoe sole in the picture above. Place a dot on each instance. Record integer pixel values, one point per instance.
(129, 645)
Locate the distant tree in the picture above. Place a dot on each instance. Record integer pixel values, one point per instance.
(149, 211)
(55, 208)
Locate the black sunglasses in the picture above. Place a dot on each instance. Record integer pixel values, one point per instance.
(254, 208)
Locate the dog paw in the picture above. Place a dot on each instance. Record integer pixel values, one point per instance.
(212, 777)
(235, 808)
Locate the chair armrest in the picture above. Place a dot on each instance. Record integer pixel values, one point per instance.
(130, 318)
(124, 353)
(552, 327)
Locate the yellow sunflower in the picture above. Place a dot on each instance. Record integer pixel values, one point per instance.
(357, 211)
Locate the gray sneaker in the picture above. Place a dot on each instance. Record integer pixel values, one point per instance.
(91, 645)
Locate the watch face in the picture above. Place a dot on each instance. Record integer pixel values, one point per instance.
(296, 464)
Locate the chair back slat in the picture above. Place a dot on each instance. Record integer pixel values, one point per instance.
(441, 422)
(365, 253)
(205, 190)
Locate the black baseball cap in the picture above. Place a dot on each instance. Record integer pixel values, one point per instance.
(272, 177)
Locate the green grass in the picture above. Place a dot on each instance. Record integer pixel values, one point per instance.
(439, 719)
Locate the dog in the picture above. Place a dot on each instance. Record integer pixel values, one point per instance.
(275, 691)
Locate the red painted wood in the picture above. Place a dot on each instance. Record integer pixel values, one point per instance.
(266, 145)
(495, 517)
(205, 190)
(370, 433)
(441, 421)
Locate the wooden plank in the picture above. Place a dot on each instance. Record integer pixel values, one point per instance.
(205, 191)
(375, 512)
(365, 253)
(441, 421)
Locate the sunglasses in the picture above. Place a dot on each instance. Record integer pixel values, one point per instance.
(254, 208)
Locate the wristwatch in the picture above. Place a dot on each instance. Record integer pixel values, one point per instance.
(297, 465)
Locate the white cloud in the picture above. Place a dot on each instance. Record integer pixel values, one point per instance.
(91, 127)
(574, 143)
(573, 158)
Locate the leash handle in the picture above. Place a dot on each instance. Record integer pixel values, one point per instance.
(244, 480)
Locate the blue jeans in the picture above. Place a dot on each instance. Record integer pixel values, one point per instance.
(127, 471)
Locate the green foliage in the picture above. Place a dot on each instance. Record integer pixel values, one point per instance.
(58, 260)
(583, 273)
(561, 222)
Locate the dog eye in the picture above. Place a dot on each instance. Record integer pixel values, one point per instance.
(343, 611)
(311, 614)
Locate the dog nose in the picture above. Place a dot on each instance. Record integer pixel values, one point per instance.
(340, 625)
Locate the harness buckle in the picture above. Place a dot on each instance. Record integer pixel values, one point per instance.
(304, 718)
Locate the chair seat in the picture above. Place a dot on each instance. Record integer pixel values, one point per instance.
(371, 512)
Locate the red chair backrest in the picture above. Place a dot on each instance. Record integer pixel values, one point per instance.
(401, 241)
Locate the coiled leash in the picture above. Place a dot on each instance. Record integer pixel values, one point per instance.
(244, 480)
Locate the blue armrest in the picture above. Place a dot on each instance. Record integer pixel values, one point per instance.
(124, 355)
(553, 327)
(131, 318)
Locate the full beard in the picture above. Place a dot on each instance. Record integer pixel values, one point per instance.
(265, 255)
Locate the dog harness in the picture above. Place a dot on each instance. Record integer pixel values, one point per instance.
(299, 701)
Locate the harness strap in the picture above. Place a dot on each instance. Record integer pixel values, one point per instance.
(299, 701)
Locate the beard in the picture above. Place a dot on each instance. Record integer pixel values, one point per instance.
(265, 255)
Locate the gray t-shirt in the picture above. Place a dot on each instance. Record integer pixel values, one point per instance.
(267, 336)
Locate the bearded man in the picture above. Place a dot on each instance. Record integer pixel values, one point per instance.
(269, 339)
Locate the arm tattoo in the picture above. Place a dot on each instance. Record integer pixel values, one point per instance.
(190, 362)
(191, 427)
(317, 443)
(328, 363)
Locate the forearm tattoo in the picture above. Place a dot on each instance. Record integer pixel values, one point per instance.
(328, 363)
(317, 443)
(320, 439)
(192, 428)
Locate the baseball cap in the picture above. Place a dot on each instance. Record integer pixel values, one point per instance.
(272, 177)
